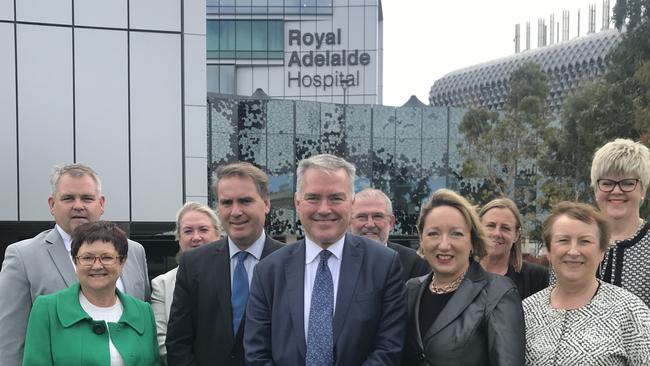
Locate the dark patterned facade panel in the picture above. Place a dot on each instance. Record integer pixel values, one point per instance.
(434, 122)
(408, 122)
(383, 122)
(253, 148)
(358, 118)
(277, 114)
(307, 118)
(401, 151)
(280, 157)
(358, 152)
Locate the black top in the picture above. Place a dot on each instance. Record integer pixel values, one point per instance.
(412, 264)
(430, 307)
(481, 324)
(531, 279)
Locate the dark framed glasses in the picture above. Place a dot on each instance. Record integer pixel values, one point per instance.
(89, 260)
(626, 185)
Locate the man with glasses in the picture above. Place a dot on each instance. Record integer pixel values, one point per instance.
(372, 217)
(43, 264)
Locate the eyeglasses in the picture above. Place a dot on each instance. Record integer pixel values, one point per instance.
(376, 217)
(626, 185)
(89, 260)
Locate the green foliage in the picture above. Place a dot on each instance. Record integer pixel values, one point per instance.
(618, 106)
(501, 150)
(501, 147)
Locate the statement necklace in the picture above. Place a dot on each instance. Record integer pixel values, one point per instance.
(446, 288)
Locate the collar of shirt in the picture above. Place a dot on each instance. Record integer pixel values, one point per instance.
(67, 240)
(255, 249)
(312, 250)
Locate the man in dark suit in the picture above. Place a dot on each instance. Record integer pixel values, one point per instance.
(206, 321)
(331, 298)
(372, 217)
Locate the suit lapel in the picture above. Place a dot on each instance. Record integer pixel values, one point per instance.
(61, 257)
(351, 261)
(218, 273)
(266, 250)
(419, 292)
(132, 278)
(294, 274)
(465, 294)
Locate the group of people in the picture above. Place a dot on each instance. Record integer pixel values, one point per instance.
(343, 295)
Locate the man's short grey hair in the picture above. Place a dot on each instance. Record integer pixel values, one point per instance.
(326, 163)
(75, 171)
(377, 194)
(622, 156)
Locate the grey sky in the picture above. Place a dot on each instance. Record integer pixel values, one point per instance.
(426, 39)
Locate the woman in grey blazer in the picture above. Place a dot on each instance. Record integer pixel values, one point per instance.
(459, 314)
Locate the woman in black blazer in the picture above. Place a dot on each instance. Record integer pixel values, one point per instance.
(502, 223)
(460, 314)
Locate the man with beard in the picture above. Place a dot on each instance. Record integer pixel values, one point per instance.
(372, 217)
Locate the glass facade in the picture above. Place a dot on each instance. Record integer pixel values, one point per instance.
(406, 152)
(285, 7)
(245, 39)
(221, 79)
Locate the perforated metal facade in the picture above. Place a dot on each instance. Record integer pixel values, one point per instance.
(566, 64)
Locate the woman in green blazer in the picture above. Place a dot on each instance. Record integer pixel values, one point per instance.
(93, 322)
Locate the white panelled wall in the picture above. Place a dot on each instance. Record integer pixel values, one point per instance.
(118, 85)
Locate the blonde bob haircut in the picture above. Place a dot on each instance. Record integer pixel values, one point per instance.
(198, 207)
(516, 256)
(622, 156)
(446, 197)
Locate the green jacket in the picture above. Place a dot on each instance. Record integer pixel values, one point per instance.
(60, 332)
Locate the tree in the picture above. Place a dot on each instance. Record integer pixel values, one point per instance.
(618, 106)
(500, 150)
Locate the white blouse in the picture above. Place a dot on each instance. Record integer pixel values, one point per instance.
(109, 314)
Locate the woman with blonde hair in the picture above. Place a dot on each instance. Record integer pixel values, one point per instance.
(196, 225)
(620, 175)
(459, 314)
(502, 223)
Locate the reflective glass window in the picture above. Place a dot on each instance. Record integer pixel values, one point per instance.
(265, 7)
(245, 39)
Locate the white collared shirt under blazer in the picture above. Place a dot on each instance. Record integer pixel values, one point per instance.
(613, 329)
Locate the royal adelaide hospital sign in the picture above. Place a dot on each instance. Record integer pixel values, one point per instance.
(313, 56)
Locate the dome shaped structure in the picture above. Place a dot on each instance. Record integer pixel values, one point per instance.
(566, 64)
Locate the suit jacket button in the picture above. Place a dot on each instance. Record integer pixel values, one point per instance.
(423, 357)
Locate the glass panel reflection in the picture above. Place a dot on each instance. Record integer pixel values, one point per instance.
(405, 152)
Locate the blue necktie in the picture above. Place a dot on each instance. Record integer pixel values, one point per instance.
(239, 291)
(320, 348)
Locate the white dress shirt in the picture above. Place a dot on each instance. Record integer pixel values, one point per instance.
(255, 253)
(312, 258)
